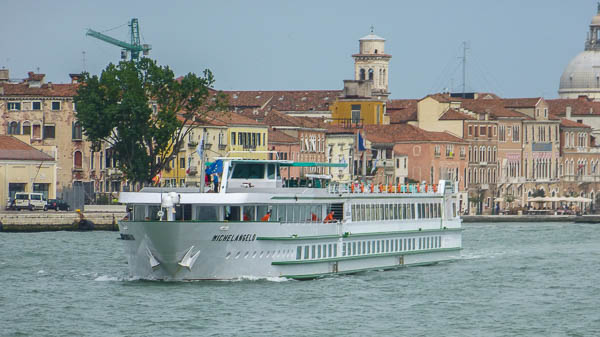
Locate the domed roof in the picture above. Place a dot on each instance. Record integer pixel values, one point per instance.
(582, 72)
(372, 37)
(595, 21)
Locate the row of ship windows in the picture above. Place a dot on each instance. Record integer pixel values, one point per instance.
(371, 212)
(285, 253)
(324, 251)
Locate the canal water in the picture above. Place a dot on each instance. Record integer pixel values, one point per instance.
(515, 279)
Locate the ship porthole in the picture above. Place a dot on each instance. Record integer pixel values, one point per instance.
(246, 255)
(261, 255)
(237, 256)
(228, 255)
(267, 255)
(254, 255)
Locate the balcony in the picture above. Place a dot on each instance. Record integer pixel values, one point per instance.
(113, 172)
(207, 146)
(192, 170)
(192, 144)
(581, 178)
(222, 147)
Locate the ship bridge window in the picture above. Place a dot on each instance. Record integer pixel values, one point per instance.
(207, 213)
(153, 213)
(271, 171)
(248, 171)
(183, 212)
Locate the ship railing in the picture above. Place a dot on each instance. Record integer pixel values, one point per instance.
(337, 188)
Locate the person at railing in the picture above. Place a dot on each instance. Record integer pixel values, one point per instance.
(266, 217)
(329, 218)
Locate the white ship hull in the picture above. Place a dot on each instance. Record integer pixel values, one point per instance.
(266, 249)
(254, 227)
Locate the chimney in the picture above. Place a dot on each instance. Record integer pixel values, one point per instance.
(568, 112)
(75, 78)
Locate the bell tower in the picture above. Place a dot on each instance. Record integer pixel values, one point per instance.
(372, 63)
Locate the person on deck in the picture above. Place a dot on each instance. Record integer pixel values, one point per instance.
(266, 217)
(216, 183)
(329, 218)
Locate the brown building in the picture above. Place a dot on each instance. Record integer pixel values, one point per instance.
(44, 113)
(579, 161)
(310, 132)
(432, 156)
(285, 147)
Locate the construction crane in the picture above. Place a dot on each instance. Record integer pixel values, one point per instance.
(134, 48)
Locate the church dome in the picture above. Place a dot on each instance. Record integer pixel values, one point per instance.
(581, 77)
(582, 72)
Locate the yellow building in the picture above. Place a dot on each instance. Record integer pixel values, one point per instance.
(24, 169)
(225, 134)
(357, 106)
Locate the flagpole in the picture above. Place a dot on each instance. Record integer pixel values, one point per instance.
(202, 168)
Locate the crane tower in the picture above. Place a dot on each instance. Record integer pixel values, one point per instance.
(132, 48)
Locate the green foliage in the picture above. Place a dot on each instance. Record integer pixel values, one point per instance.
(538, 193)
(117, 108)
(509, 198)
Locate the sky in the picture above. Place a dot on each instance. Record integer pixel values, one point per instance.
(516, 48)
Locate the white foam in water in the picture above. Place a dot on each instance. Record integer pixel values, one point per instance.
(256, 278)
(41, 272)
(104, 278)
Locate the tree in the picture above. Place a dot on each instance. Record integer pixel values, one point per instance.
(143, 112)
(538, 193)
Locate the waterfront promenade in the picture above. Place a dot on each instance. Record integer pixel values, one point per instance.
(96, 217)
(106, 218)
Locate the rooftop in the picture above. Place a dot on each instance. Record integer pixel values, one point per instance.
(12, 148)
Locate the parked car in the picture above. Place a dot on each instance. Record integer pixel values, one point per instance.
(10, 204)
(58, 205)
(30, 201)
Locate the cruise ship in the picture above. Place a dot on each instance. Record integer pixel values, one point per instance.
(257, 226)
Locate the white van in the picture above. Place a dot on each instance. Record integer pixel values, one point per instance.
(30, 201)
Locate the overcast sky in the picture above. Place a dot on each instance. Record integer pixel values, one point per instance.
(517, 48)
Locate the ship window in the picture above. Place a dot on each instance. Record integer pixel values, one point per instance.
(354, 248)
(153, 212)
(298, 252)
(207, 213)
(306, 252)
(232, 213)
(271, 171)
(313, 251)
(248, 171)
(330, 253)
(344, 249)
(319, 251)
(378, 246)
(358, 251)
(387, 246)
(249, 213)
(334, 249)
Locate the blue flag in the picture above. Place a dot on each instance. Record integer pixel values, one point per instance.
(216, 167)
(361, 143)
